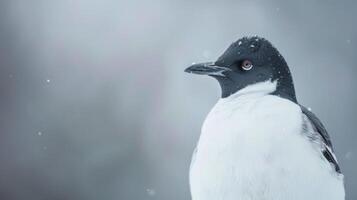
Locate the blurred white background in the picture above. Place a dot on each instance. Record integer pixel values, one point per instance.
(94, 103)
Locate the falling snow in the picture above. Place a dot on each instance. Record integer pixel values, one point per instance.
(150, 192)
(206, 54)
(348, 155)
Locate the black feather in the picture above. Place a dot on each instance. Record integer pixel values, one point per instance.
(327, 152)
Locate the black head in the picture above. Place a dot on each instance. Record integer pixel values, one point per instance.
(248, 61)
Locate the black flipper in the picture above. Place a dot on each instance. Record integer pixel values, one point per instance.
(323, 137)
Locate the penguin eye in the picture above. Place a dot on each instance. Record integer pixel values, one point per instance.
(246, 65)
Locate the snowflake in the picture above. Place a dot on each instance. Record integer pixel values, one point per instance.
(150, 192)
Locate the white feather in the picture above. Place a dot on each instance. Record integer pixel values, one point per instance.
(251, 148)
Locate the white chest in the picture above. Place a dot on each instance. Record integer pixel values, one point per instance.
(250, 149)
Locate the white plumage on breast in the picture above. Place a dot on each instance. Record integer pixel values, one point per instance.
(251, 148)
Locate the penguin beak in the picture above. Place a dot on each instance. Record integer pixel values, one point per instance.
(208, 68)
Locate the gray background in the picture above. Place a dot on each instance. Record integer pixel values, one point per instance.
(95, 104)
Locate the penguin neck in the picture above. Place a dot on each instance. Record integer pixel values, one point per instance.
(256, 89)
(278, 88)
(285, 89)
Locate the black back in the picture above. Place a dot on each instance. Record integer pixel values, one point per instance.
(320, 129)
